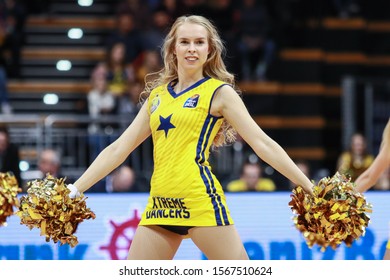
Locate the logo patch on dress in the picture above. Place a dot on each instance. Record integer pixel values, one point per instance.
(155, 103)
(191, 102)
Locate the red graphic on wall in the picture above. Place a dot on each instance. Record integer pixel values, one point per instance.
(121, 238)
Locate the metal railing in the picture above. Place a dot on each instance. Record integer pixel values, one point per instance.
(365, 108)
(79, 138)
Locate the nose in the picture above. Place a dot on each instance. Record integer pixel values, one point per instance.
(191, 47)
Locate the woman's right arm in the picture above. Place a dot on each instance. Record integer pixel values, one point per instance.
(369, 177)
(381, 162)
(116, 153)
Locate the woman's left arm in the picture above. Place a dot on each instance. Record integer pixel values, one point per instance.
(227, 103)
(369, 177)
(381, 162)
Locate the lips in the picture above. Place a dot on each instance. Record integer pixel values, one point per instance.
(191, 58)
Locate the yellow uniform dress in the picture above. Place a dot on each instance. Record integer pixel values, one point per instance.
(184, 191)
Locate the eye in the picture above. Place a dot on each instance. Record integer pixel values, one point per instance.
(183, 42)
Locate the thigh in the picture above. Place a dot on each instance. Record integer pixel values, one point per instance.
(219, 242)
(154, 243)
(387, 253)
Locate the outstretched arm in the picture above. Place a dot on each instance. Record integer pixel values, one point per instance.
(114, 154)
(369, 177)
(228, 104)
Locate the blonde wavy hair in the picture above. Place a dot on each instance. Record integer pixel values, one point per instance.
(214, 67)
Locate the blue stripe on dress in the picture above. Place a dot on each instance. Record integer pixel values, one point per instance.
(205, 173)
(218, 198)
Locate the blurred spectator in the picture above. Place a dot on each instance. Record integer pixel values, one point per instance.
(255, 48)
(174, 8)
(149, 69)
(123, 179)
(12, 21)
(152, 4)
(12, 18)
(100, 99)
(138, 8)
(5, 106)
(127, 34)
(251, 180)
(49, 162)
(377, 175)
(347, 8)
(357, 159)
(9, 155)
(223, 14)
(119, 74)
(160, 23)
(129, 103)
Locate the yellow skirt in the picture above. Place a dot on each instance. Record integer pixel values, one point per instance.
(205, 211)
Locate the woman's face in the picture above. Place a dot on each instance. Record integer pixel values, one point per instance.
(118, 53)
(358, 144)
(3, 142)
(191, 47)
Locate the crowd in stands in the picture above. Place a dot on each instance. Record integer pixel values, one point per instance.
(133, 46)
(13, 16)
(252, 30)
(356, 159)
(9, 155)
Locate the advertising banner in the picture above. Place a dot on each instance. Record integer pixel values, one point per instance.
(263, 220)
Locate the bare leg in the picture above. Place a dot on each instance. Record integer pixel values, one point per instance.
(154, 243)
(219, 242)
(387, 253)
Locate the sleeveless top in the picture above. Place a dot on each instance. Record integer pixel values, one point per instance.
(184, 191)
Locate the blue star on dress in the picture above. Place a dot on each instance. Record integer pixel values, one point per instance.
(165, 124)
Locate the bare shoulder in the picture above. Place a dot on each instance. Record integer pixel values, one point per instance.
(226, 90)
(224, 95)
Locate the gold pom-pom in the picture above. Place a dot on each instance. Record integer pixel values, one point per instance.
(336, 212)
(48, 206)
(9, 190)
